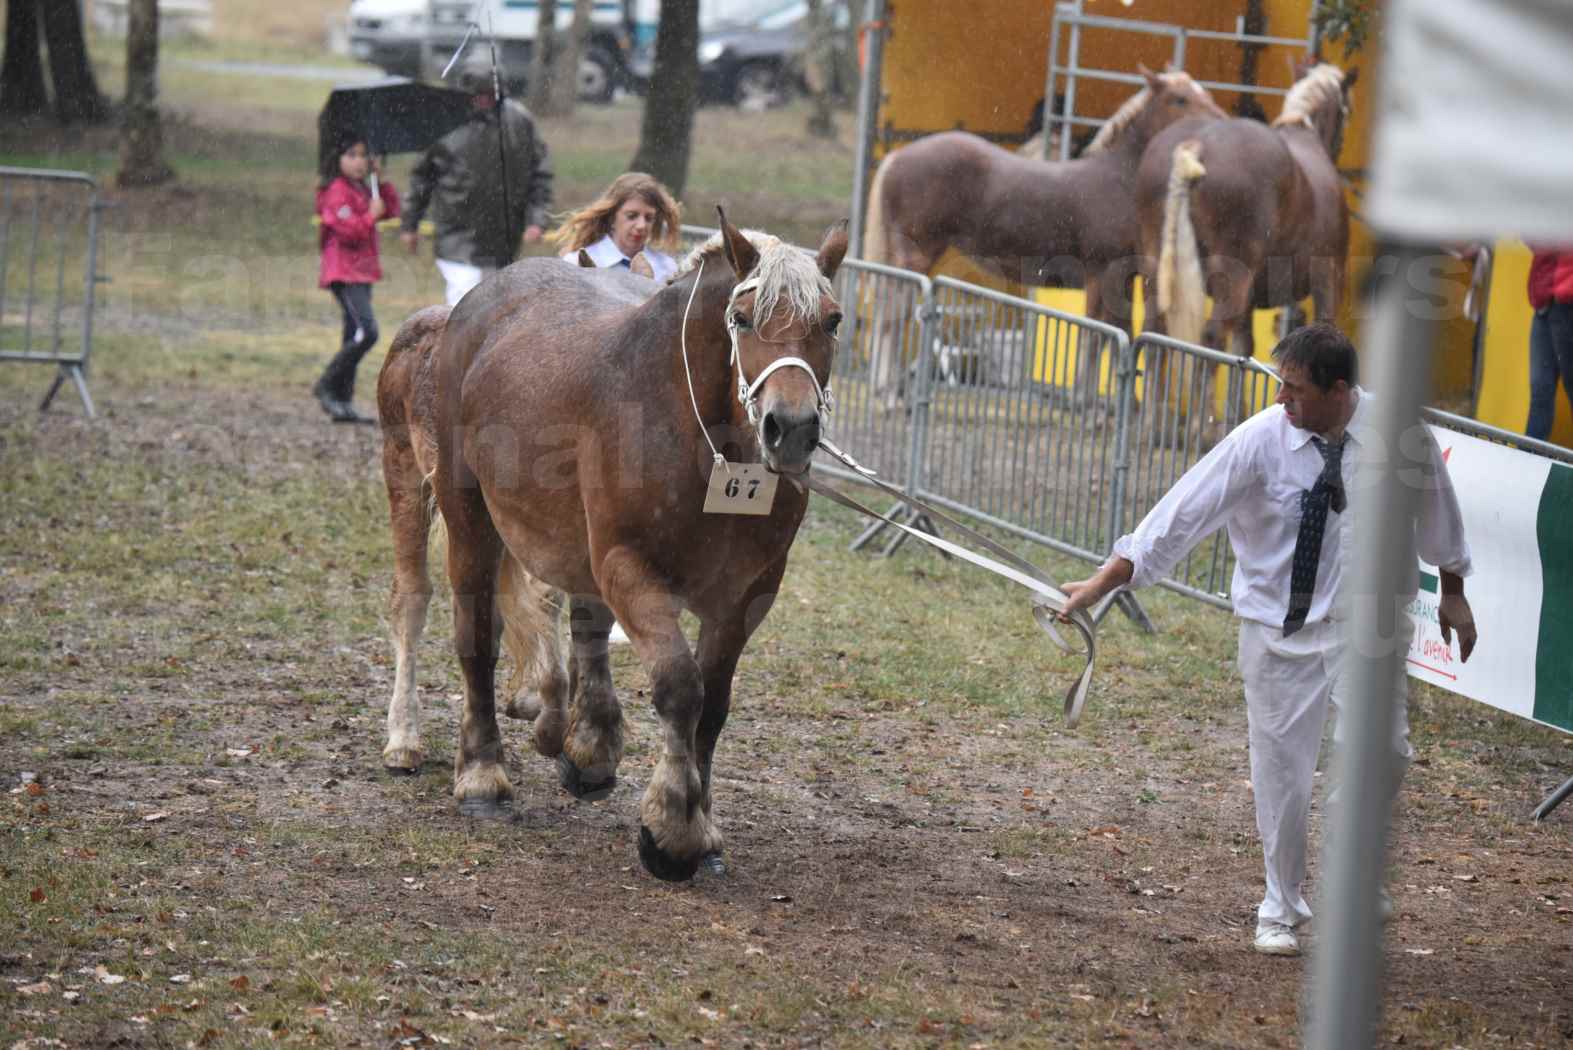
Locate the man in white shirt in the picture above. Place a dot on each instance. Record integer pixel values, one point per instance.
(1283, 483)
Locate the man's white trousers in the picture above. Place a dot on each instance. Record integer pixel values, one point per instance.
(1288, 684)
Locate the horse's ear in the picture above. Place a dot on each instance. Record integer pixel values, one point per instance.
(585, 260)
(832, 250)
(1148, 75)
(739, 251)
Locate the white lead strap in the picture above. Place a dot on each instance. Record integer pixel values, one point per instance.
(720, 459)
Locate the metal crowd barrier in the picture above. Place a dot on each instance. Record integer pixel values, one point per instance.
(48, 272)
(1186, 398)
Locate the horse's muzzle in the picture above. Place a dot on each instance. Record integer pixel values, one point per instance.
(789, 440)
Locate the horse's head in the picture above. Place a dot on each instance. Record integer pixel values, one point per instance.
(782, 319)
(1319, 100)
(1169, 97)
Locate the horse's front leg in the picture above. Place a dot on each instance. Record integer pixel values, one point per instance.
(592, 746)
(474, 559)
(675, 832)
(721, 642)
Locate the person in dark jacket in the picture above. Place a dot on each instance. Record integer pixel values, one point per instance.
(350, 201)
(460, 179)
(1550, 337)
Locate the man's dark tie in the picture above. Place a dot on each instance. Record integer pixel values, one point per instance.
(1328, 492)
(626, 264)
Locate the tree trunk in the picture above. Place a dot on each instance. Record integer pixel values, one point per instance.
(1254, 23)
(22, 91)
(141, 134)
(76, 91)
(666, 134)
(538, 93)
(565, 64)
(819, 70)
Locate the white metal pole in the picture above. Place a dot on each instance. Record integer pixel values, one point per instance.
(868, 118)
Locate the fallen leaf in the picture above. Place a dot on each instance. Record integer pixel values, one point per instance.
(1419, 951)
(41, 988)
(241, 983)
(34, 788)
(154, 818)
(38, 896)
(180, 978)
(105, 977)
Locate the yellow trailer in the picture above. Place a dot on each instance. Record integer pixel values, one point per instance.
(984, 68)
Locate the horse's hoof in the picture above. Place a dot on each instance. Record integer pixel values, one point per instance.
(662, 864)
(573, 781)
(402, 761)
(713, 865)
(485, 808)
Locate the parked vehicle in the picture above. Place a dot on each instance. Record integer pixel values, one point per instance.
(751, 52)
(388, 34)
(602, 68)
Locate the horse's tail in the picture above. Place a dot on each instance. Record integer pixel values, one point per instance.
(876, 243)
(1182, 293)
(530, 611)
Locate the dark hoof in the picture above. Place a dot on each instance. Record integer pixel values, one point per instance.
(713, 865)
(573, 782)
(402, 772)
(485, 808)
(662, 864)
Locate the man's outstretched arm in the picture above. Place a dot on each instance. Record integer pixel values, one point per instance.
(1084, 594)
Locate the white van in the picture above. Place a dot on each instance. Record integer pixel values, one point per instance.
(389, 34)
(603, 68)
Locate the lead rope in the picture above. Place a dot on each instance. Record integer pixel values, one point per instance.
(692, 400)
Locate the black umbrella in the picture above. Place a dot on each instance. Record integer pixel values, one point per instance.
(394, 115)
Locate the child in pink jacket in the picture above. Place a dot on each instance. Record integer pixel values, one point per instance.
(350, 202)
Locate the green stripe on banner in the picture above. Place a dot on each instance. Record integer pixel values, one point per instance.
(1554, 653)
(1427, 582)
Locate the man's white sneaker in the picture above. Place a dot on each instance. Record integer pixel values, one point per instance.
(1275, 938)
(618, 635)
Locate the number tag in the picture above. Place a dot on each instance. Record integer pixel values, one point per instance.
(740, 488)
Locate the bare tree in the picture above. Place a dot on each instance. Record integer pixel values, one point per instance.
(76, 91)
(538, 92)
(141, 133)
(22, 91)
(665, 137)
(566, 62)
(819, 70)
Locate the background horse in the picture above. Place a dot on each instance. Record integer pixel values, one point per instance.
(1057, 224)
(559, 419)
(1255, 212)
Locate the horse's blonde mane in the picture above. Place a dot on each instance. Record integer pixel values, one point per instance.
(1322, 86)
(786, 275)
(1115, 126)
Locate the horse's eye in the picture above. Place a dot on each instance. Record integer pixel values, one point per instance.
(741, 323)
(832, 323)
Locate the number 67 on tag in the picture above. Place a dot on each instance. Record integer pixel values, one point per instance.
(740, 488)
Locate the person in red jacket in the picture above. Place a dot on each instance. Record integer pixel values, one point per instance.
(350, 201)
(1550, 337)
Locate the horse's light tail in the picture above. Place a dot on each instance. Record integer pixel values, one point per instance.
(530, 613)
(1182, 294)
(876, 242)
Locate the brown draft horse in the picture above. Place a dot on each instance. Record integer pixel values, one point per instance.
(560, 420)
(1059, 224)
(1255, 212)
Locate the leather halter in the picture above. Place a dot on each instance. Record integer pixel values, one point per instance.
(748, 393)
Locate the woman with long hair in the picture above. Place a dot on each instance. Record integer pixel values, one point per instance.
(636, 214)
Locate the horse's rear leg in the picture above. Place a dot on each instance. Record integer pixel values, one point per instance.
(411, 595)
(592, 747)
(475, 553)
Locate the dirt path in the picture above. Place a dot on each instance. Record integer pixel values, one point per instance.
(903, 874)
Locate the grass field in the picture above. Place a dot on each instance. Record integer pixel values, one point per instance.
(198, 846)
